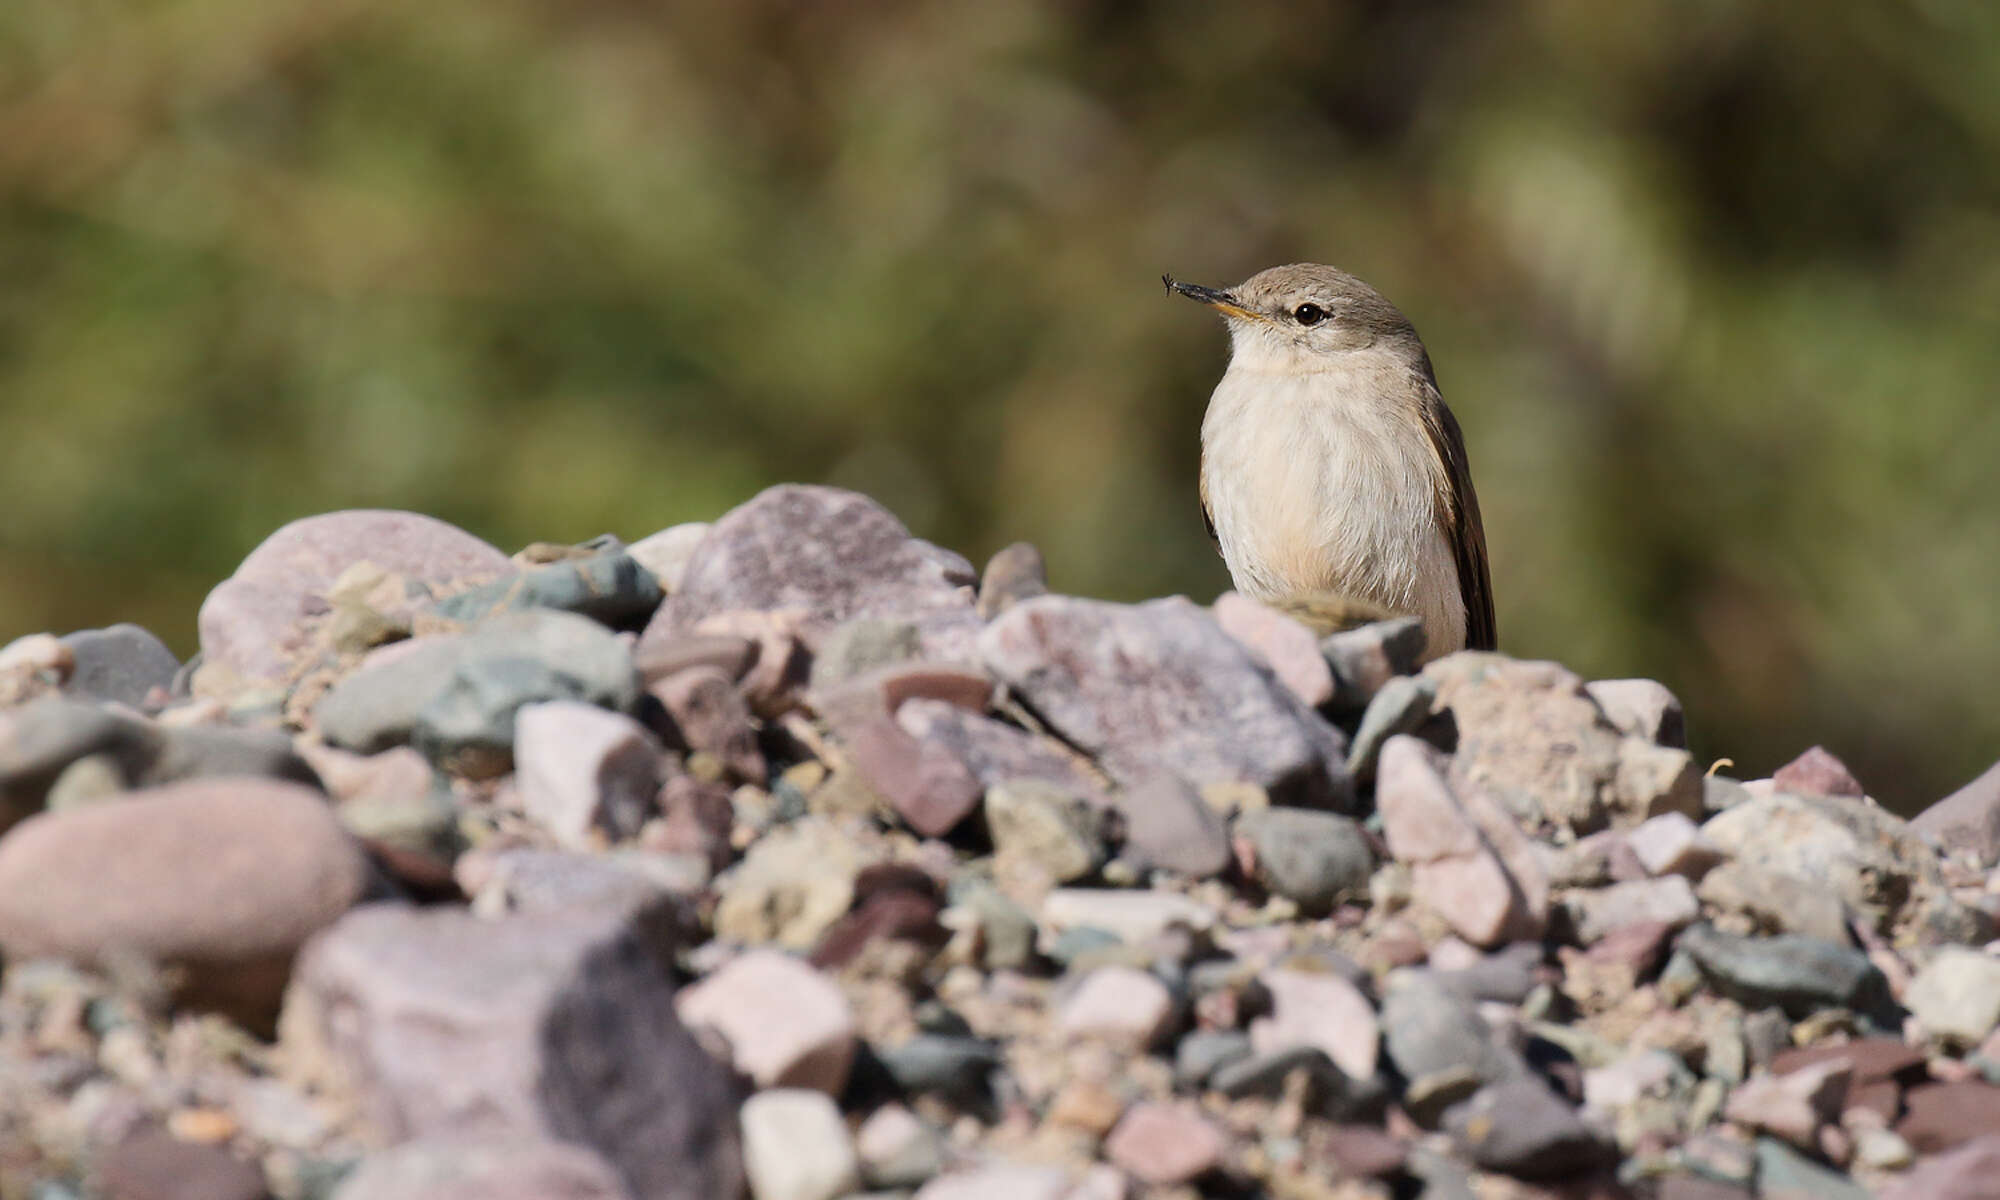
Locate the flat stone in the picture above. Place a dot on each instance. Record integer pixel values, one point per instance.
(583, 773)
(1363, 1150)
(1165, 1144)
(830, 556)
(122, 662)
(954, 1066)
(1329, 1091)
(1944, 1116)
(611, 588)
(454, 697)
(1642, 708)
(1521, 1128)
(1283, 645)
(555, 1025)
(891, 900)
(664, 658)
(1003, 1182)
(787, 1025)
(1014, 574)
(1120, 1004)
(1672, 844)
(1402, 705)
(795, 1147)
(1318, 1009)
(1964, 1173)
(1957, 995)
(226, 877)
(1132, 916)
(1316, 859)
(152, 1165)
(1785, 1174)
(1430, 1030)
(1170, 827)
(994, 751)
(515, 1169)
(1160, 686)
(666, 553)
(256, 625)
(1365, 659)
(1597, 912)
(1489, 893)
(710, 715)
(1968, 820)
(525, 880)
(1798, 974)
(1817, 773)
(862, 646)
(1794, 1105)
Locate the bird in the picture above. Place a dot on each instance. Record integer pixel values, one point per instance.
(1334, 480)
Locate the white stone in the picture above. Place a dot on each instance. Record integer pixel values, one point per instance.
(795, 1146)
(583, 771)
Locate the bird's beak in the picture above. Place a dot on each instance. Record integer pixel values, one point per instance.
(1221, 302)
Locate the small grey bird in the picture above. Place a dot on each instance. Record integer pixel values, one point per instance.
(1333, 477)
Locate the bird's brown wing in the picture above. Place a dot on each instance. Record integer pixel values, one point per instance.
(1460, 509)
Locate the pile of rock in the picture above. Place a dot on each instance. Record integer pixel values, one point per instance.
(788, 857)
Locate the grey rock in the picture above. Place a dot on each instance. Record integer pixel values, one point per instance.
(1642, 708)
(955, 1067)
(556, 1025)
(1365, 659)
(1169, 826)
(1785, 1174)
(1521, 1128)
(1329, 1091)
(1006, 930)
(1719, 793)
(1505, 976)
(666, 657)
(1401, 705)
(523, 880)
(1596, 912)
(520, 1168)
(863, 645)
(1313, 858)
(1957, 995)
(1429, 1029)
(612, 589)
(1161, 686)
(1797, 974)
(120, 662)
(1201, 1054)
(832, 556)
(1014, 574)
(1968, 820)
(454, 697)
(667, 553)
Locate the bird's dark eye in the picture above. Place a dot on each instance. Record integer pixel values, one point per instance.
(1309, 314)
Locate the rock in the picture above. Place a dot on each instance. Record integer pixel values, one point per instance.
(1785, 1174)
(831, 556)
(1531, 735)
(1848, 849)
(34, 667)
(1957, 995)
(554, 1025)
(928, 786)
(1120, 1004)
(1133, 917)
(390, 799)
(1366, 659)
(583, 772)
(152, 1165)
(1165, 1144)
(1169, 827)
(1642, 708)
(1633, 1078)
(1313, 858)
(666, 553)
(1402, 705)
(1965, 1173)
(1043, 827)
(1005, 1182)
(949, 1065)
(1200, 1054)
(1672, 844)
(1431, 1031)
(523, 1168)
(1489, 893)
(224, 877)
(664, 658)
(774, 682)
(1006, 930)
(795, 1147)
(890, 901)
(1287, 648)
(1014, 574)
(1794, 1105)
(653, 888)
(257, 624)
(787, 1025)
(1651, 781)
(123, 662)
(1944, 1116)
(1327, 1089)
(995, 752)
(1817, 773)
(1321, 1010)
(1595, 913)
(455, 697)
(863, 646)
(898, 1150)
(1798, 974)
(791, 886)
(1879, 1068)
(1159, 686)
(1968, 820)
(1362, 1151)
(610, 588)
(1521, 1128)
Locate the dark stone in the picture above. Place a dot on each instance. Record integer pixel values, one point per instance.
(1201, 1054)
(957, 1068)
(1313, 858)
(1944, 1116)
(1366, 658)
(1797, 974)
(612, 589)
(1521, 1128)
(1329, 1092)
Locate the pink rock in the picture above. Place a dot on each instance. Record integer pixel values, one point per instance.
(227, 876)
(1671, 844)
(1596, 912)
(1310, 1008)
(583, 771)
(1965, 1173)
(711, 715)
(1968, 820)
(1122, 1004)
(152, 1165)
(1792, 1106)
(1165, 1144)
(1008, 1182)
(996, 752)
(256, 622)
(787, 1025)
(1817, 773)
(1490, 894)
(1280, 643)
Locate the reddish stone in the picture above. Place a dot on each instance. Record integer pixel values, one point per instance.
(1941, 1116)
(1165, 1144)
(1362, 1150)
(1817, 773)
(154, 1166)
(891, 901)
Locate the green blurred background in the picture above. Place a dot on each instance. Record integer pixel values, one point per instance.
(1714, 288)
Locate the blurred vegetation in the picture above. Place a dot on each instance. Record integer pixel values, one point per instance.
(1714, 288)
